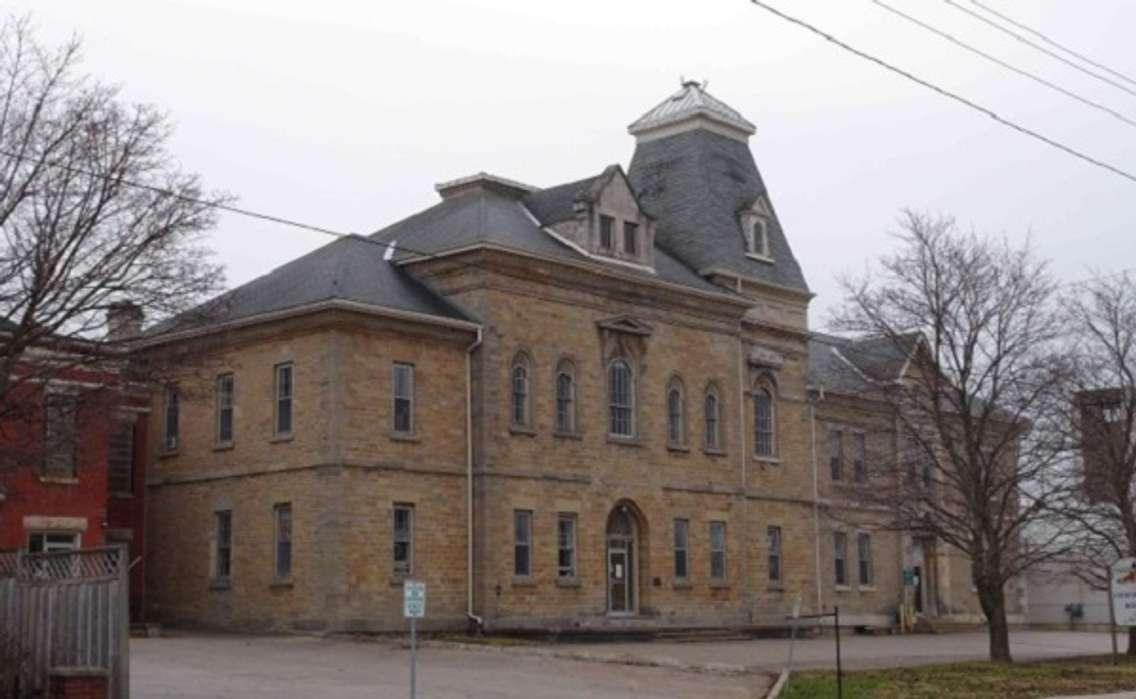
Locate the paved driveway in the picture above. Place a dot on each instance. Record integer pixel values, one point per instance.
(200, 666)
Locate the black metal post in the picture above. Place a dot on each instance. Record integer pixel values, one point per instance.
(1112, 617)
(839, 669)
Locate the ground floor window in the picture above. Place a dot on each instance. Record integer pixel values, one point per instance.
(403, 539)
(47, 542)
(773, 543)
(718, 551)
(840, 557)
(223, 553)
(282, 516)
(522, 543)
(680, 547)
(864, 546)
(566, 545)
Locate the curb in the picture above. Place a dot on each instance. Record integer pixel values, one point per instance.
(779, 685)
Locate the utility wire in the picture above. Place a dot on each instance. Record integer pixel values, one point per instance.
(946, 93)
(993, 59)
(1052, 42)
(1027, 42)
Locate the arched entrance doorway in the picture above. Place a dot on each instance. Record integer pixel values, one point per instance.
(622, 561)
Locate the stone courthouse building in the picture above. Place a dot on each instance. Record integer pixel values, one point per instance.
(592, 405)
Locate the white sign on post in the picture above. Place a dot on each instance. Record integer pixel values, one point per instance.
(1123, 587)
(413, 599)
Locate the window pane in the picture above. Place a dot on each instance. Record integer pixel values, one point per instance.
(522, 538)
(717, 550)
(224, 543)
(606, 224)
(763, 423)
(225, 408)
(564, 415)
(680, 560)
(620, 390)
(171, 422)
(120, 460)
(773, 543)
(840, 554)
(711, 410)
(284, 399)
(520, 396)
(566, 546)
(283, 540)
(403, 539)
(630, 238)
(836, 454)
(859, 465)
(674, 416)
(60, 434)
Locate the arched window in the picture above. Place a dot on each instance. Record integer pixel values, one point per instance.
(676, 428)
(763, 423)
(519, 385)
(565, 398)
(621, 392)
(713, 437)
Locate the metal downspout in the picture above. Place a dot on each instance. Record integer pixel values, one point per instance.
(469, 479)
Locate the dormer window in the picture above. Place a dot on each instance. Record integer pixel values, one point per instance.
(754, 220)
(630, 238)
(607, 223)
(758, 237)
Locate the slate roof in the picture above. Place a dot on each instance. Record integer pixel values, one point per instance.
(557, 204)
(486, 217)
(351, 268)
(694, 183)
(691, 100)
(850, 365)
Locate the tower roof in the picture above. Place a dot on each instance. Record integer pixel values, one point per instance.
(691, 107)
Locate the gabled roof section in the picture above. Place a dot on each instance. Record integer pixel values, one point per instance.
(352, 268)
(694, 184)
(856, 365)
(690, 103)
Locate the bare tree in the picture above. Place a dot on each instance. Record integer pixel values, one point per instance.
(95, 217)
(977, 458)
(1101, 319)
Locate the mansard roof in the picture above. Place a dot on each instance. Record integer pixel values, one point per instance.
(854, 365)
(694, 183)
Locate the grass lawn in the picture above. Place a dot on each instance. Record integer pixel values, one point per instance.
(1093, 675)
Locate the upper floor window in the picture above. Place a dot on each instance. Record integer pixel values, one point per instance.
(170, 419)
(676, 432)
(1111, 412)
(565, 398)
(403, 398)
(630, 238)
(607, 224)
(621, 392)
(283, 405)
(763, 423)
(519, 385)
(859, 456)
(60, 433)
(120, 456)
(758, 238)
(225, 393)
(836, 454)
(712, 417)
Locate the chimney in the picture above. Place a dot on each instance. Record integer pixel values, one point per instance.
(124, 321)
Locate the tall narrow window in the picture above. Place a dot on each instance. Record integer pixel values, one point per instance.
(566, 546)
(170, 420)
(773, 546)
(606, 225)
(713, 438)
(718, 551)
(403, 398)
(763, 423)
(840, 557)
(60, 434)
(403, 539)
(859, 456)
(565, 399)
(282, 516)
(120, 459)
(621, 391)
(676, 433)
(284, 399)
(519, 384)
(630, 238)
(225, 390)
(836, 454)
(681, 560)
(223, 549)
(522, 543)
(864, 551)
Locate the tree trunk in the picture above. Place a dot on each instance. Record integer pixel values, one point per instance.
(1132, 640)
(994, 606)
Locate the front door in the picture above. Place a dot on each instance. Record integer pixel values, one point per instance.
(619, 577)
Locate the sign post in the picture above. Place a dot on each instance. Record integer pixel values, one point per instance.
(413, 608)
(1121, 597)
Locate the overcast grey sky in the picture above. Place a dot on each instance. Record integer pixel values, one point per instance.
(345, 114)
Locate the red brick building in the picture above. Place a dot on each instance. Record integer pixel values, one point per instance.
(72, 471)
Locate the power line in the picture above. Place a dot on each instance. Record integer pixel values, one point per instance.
(1052, 42)
(993, 59)
(1027, 42)
(946, 93)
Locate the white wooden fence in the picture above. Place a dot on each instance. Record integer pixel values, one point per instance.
(64, 609)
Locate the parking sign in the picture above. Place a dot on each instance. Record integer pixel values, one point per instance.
(413, 599)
